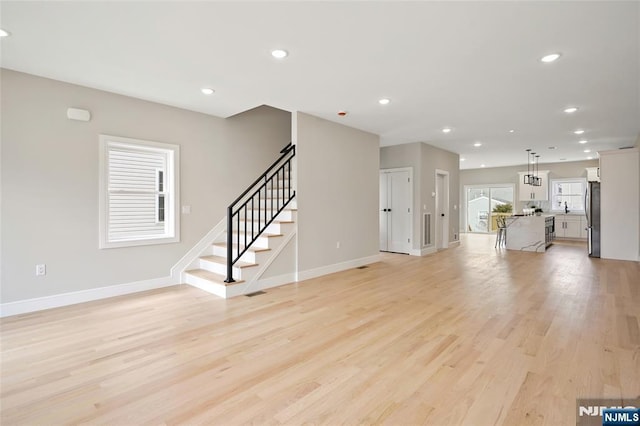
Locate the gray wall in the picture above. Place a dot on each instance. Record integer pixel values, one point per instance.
(49, 180)
(407, 155)
(435, 158)
(337, 193)
(499, 175)
(425, 159)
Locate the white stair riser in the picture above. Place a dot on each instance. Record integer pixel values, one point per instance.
(248, 256)
(267, 204)
(273, 228)
(261, 242)
(206, 285)
(244, 274)
(285, 215)
(218, 268)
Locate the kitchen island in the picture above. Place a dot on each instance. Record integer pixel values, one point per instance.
(530, 233)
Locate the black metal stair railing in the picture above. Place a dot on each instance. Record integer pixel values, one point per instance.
(271, 193)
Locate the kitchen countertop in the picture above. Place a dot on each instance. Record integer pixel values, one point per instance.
(527, 233)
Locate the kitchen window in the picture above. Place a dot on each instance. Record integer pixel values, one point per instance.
(568, 193)
(139, 195)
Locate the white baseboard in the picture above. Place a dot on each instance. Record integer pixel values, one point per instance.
(65, 299)
(423, 251)
(337, 267)
(254, 286)
(277, 281)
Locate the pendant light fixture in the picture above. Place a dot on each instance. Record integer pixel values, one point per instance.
(537, 180)
(528, 178)
(532, 178)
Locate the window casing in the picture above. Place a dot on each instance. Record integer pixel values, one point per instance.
(139, 192)
(570, 191)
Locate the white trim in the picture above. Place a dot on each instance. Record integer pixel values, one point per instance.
(255, 281)
(337, 267)
(277, 281)
(454, 243)
(465, 196)
(66, 299)
(171, 190)
(412, 207)
(423, 251)
(254, 286)
(446, 210)
(580, 211)
(177, 271)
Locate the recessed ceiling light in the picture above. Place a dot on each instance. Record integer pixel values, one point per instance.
(570, 110)
(384, 101)
(587, 150)
(550, 58)
(446, 130)
(482, 165)
(583, 141)
(477, 144)
(578, 132)
(462, 159)
(279, 53)
(4, 33)
(589, 158)
(511, 131)
(207, 90)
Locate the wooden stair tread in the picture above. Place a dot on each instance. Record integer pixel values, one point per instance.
(223, 261)
(293, 209)
(211, 276)
(253, 249)
(274, 221)
(264, 234)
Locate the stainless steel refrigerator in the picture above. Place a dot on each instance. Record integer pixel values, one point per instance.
(592, 210)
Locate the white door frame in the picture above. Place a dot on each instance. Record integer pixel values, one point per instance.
(442, 224)
(411, 216)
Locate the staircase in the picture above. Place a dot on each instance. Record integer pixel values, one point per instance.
(259, 224)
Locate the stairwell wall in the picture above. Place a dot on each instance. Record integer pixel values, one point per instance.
(49, 181)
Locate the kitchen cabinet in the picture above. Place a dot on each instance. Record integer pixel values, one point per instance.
(534, 193)
(570, 226)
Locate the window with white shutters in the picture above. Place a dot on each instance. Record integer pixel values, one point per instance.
(139, 192)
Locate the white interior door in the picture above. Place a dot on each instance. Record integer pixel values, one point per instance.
(442, 209)
(395, 211)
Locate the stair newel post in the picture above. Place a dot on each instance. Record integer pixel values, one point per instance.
(229, 245)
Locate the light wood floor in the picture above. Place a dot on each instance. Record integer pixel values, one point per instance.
(471, 335)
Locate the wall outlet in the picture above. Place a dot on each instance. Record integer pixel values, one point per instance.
(186, 209)
(338, 245)
(41, 270)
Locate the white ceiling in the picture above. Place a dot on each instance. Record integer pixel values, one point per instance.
(473, 66)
